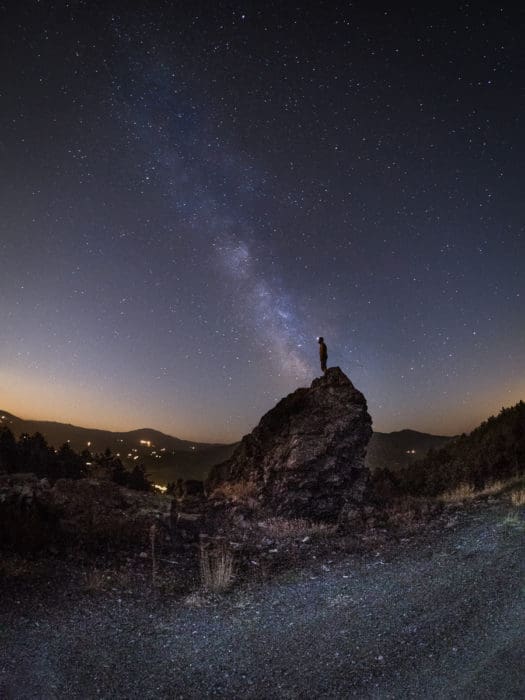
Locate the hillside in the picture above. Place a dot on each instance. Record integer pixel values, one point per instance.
(494, 450)
(401, 448)
(168, 458)
(165, 457)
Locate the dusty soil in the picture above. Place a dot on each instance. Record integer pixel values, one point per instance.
(438, 614)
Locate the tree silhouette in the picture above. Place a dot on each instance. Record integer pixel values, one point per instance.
(138, 479)
(495, 450)
(35, 455)
(68, 464)
(8, 450)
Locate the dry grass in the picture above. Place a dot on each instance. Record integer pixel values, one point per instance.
(466, 492)
(407, 512)
(401, 514)
(295, 527)
(518, 497)
(238, 492)
(216, 566)
(95, 581)
(513, 521)
(463, 492)
(99, 580)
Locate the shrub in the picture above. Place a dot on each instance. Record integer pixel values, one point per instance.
(466, 492)
(28, 527)
(518, 497)
(216, 566)
(462, 492)
(296, 527)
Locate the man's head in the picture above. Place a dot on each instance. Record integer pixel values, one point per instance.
(320, 339)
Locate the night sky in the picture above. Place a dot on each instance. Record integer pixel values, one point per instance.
(192, 192)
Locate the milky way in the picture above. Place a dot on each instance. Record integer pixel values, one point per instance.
(189, 198)
(260, 305)
(271, 315)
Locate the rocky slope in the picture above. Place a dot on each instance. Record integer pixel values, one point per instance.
(91, 513)
(436, 615)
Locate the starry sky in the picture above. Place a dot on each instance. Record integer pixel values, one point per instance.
(192, 192)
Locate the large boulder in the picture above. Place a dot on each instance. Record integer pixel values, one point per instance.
(306, 458)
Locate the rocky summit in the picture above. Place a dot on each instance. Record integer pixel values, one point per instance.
(306, 458)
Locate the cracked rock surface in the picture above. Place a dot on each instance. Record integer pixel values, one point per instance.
(306, 457)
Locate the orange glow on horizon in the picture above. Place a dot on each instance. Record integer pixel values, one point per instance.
(34, 398)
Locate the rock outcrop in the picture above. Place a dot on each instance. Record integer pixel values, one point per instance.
(306, 458)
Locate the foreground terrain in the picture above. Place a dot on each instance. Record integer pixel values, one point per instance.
(438, 614)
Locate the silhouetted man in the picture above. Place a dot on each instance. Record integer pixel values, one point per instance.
(323, 353)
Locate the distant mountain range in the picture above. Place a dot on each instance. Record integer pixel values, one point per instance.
(399, 449)
(168, 458)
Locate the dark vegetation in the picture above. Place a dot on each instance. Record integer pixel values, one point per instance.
(401, 448)
(165, 457)
(31, 453)
(493, 451)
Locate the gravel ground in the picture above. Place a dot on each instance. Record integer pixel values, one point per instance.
(440, 615)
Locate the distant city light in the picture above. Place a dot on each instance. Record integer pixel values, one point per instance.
(160, 488)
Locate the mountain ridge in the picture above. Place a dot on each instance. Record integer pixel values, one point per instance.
(37, 425)
(177, 458)
(165, 457)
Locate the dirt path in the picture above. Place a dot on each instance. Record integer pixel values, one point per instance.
(435, 617)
